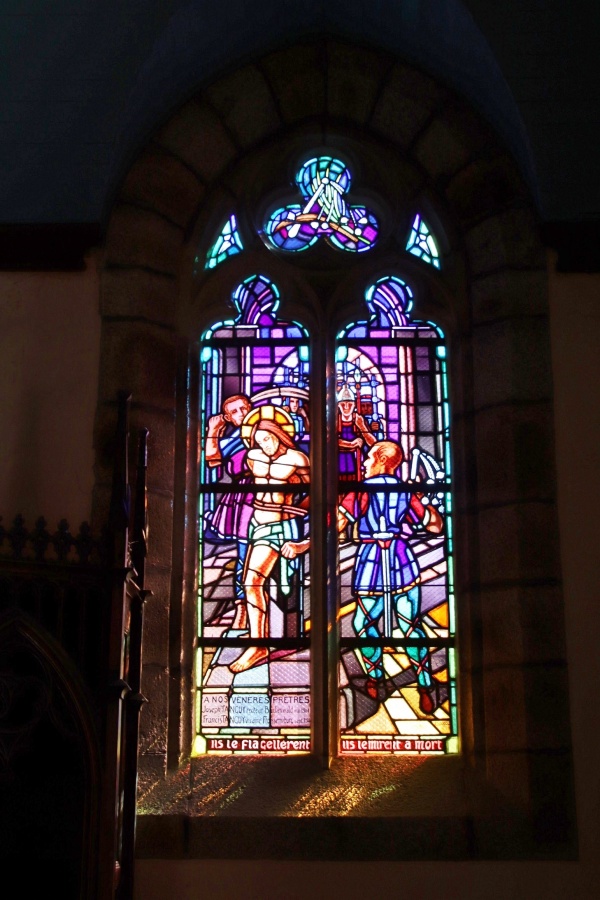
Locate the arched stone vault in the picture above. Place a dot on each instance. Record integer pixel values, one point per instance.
(417, 144)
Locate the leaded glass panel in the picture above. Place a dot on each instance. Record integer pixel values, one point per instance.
(253, 665)
(397, 669)
(228, 243)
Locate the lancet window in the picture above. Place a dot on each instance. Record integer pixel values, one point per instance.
(393, 620)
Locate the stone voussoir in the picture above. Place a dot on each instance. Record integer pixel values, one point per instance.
(407, 100)
(161, 182)
(353, 84)
(196, 135)
(484, 186)
(297, 78)
(141, 238)
(245, 105)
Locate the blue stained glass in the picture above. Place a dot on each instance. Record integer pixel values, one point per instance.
(396, 668)
(397, 673)
(253, 660)
(256, 300)
(390, 301)
(227, 244)
(325, 213)
(422, 243)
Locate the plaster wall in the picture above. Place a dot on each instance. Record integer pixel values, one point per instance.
(575, 331)
(49, 352)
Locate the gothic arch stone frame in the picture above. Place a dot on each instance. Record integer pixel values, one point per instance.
(417, 145)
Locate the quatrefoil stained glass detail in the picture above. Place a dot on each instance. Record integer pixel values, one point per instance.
(325, 213)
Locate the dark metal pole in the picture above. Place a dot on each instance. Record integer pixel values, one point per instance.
(135, 699)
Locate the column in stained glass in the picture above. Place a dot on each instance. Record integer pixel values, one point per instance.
(397, 671)
(253, 663)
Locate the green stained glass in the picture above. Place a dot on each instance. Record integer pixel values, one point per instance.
(396, 670)
(227, 244)
(253, 665)
(422, 243)
(395, 620)
(325, 212)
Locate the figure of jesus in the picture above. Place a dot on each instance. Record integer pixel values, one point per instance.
(272, 459)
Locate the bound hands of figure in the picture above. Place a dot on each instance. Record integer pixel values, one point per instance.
(292, 549)
(431, 519)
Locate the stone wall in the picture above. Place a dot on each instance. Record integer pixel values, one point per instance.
(417, 145)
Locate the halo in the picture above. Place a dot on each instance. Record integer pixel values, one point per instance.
(273, 414)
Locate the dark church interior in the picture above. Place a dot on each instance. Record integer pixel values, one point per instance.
(131, 131)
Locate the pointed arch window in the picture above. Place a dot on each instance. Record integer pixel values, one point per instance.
(253, 662)
(397, 670)
(386, 596)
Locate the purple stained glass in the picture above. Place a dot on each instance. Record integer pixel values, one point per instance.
(324, 213)
(253, 662)
(397, 667)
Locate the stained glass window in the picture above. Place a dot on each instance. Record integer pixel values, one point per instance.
(325, 212)
(228, 243)
(397, 668)
(394, 617)
(253, 664)
(422, 243)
